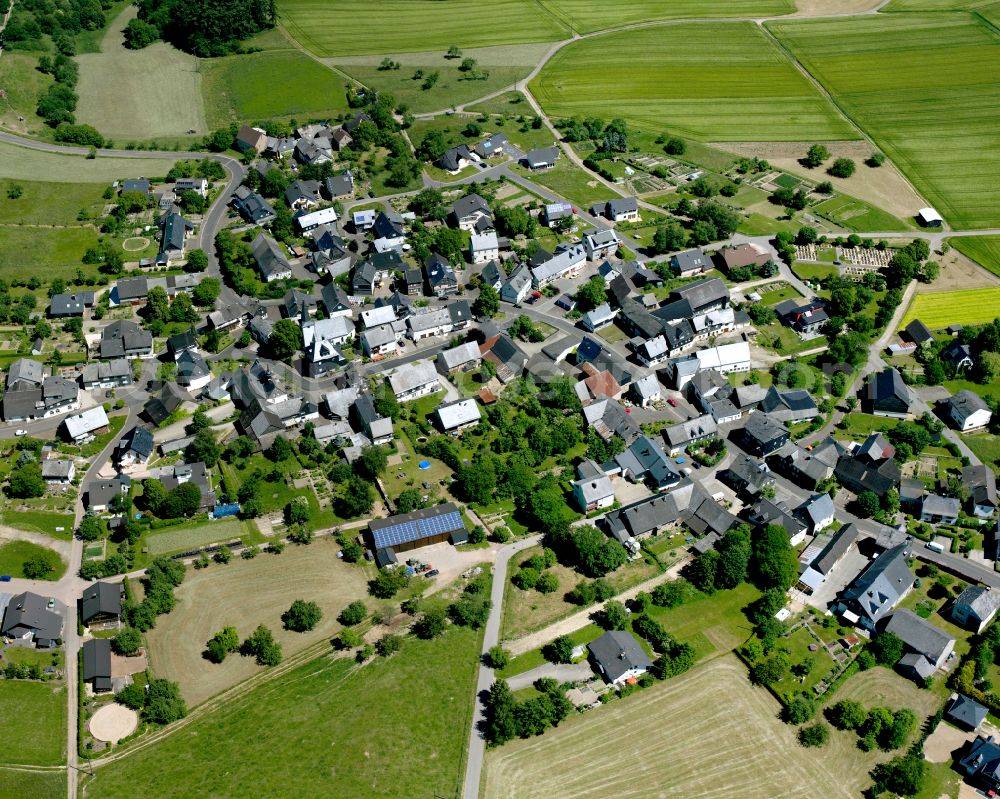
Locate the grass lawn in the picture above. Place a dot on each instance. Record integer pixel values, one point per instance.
(13, 554)
(773, 293)
(787, 340)
(712, 707)
(883, 687)
(859, 216)
(23, 164)
(906, 80)
(859, 426)
(23, 83)
(813, 271)
(586, 16)
(711, 624)
(139, 94)
(36, 784)
(724, 81)
(757, 224)
(39, 521)
(406, 26)
(527, 611)
(49, 203)
(797, 644)
(986, 446)
(984, 250)
(309, 572)
(938, 309)
(568, 181)
(982, 389)
(506, 103)
(175, 539)
(55, 252)
(29, 657)
(33, 722)
(242, 87)
(394, 727)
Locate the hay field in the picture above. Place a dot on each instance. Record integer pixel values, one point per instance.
(396, 727)
(33, 723)
(586, 15)
(936, 5)
(243, 594)
(717, 81)
(22, 84)
(36, 784)
(333, 27)
(21, 163)
(139, 94)
(707, 733)
(884, 688)
(906, 80)
(175, 539)
(274, 83)
(938, 309)
(984, 250)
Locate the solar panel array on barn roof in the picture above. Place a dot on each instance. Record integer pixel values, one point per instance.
(407, 527)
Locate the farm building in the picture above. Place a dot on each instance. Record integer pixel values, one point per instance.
(928, 217)
(407, 531)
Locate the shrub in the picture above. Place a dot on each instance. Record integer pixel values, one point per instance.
(353, 614)
(302, 616)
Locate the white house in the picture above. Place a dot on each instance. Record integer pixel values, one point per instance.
(599, 318)
(413, 380)
(378, 341)
(455, 417)
(567, 263)
(312, 220)
(338, 330)
(83, 426)
(646, 390)
(517, 286)
(968, 411)
(726, 358)
(383, 315)
(484, 247)
(592, 490)
(600, 244)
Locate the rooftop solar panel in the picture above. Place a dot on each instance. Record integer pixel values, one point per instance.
(414, 526)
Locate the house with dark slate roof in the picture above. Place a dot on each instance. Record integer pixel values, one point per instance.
(125, 339)
(101, 603)
(97, 664)
(618, 657)
(64, 305)
(878, 589)
(975, 607)
(252, 207)
(965, 713)
(271, 261)
(920, 637)
(981, 763)
(763, 435)
(542, 158)
(887, 395)
(28, 618)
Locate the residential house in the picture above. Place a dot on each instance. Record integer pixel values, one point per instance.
(135, 447)
(28, 619)
(303, 194)
(84, 426)
(99, 495)
(139, 185)
(541, 158)
(159, 408)
(125, 339)
(870, 467)
(379, 341)
(881, 586)
(455, 159)
(101, 603)
(554, 213)
(965, 713)
(376, 427)
(690, 262)
(413, 380)
(97, 664)
(175, 230)
(608, 419)
(24, 374)
(981, 761)
(62, 306)
(58, 471)
(763, 435)
(620, 209)
(252, 207)
(617, 656)
(441, 278)
(363, 220)
(653, 352)
(459, 359)
(248, 138)
(747, 476)
(592, 489)
(968, 411)
(363, 282)
(311, 220)
(182, 342)
(484, 247)
(271, 261)
(644, 461)
(493, 147)
(688, 503)
(821, 557)
(509, 360)
(920, 637)
(700, 428)
(646, 390)
(390, 226)
(887, 395)
(298, 305)
(198, 185)
(740, 256)
(703, 295)
(818, 512)
(493, 275)
(975, 607)
(765, 512)
(789, 406)
(517, 286)
(336, 301)
(337, 186)
(600, 244)
(469, 210)
(413, 282)
(599, 318)
(340, 139)
(806, 319)
(982, 485)
(454, 417)
(565, 264)
(958, 355)
(193, 371)
(936, 509)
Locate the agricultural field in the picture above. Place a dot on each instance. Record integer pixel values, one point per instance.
(244, 87)
(40, 521)
(906, 81)
(13, 554)
(175, 539)
(720, 81)
(22, 83)
(497, 67)
(139, 94)
(984, 250)
(586, 16)
(394, 727)
(20, 163)
(25, 252)
(938, 309)
(325, 26)
(310, 572)
(714, 705)
(49, 203)
(937, 5)
(859, 216)
(32, 723)
(36, 784)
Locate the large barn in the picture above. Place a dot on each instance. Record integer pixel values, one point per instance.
(407, 531)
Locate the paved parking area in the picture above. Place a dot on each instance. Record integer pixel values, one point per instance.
(850, 566)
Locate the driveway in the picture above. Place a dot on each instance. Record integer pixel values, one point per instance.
(562, 672)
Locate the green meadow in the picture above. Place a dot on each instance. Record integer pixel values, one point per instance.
(716, 81)
(924, 87)
(355, 27)
(586, 15)
(984, 250)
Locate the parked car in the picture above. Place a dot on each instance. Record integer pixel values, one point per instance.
(672, 401)
(4, 578)
(432, 573)
(20, 432)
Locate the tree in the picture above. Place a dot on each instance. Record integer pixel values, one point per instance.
(285, 339)
(387, 582)
(702, 570)
(842, 168)
(354, 613)
(92, 528)
(592, 294)
(301, 616)
(409, 499)
(847, 715)
(560, 650)
(356, 499)
(470, 609)
(430, 625)
(348, 639)
(388, 645)
(26, 481)
(547, 583)
(262, 646)
(157, 308)
(887, 648)
(501, 725)
(163, 702)
(814, 735)
(487, 304)
(209, 28)
(614, 616)
(799, 710)
(297, 511)
(904, 775)
(498, 657)
(868, 503)
(132, 696)
(373, 461)
(773, 563)
(203, 448)
(128, 641)
(734, 558)
(771, 670)
(816, 155)
(669, 237)
(904, 722)
(675, 146)
(207, 292)
(40, 565)
(221, 644)
(197, 261)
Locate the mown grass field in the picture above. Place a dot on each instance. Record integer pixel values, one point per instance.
(586, 16)
(243, 594)
(139, 94)
(22, 83)
(906, 79)
(54, 252)
(36, 784)
(332, 27)
(175, 539)
(719, 81)
(569, 181)
(49, 203)
(683, 738)
(276, 83)
(938, 309)
(21, 163)
(40, 521)
(32, 723)
(936, 5)
(13, 554)
(859, 216)
(984, 250)
(391, 728)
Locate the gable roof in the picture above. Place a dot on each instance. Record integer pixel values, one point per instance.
(879, 587)
(617, 652)
(887, 388)
(97, 662)
(101, 598)
(918, 634)
(28, 612)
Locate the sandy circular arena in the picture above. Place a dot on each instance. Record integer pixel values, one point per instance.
(135, 244)
(113, 722)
